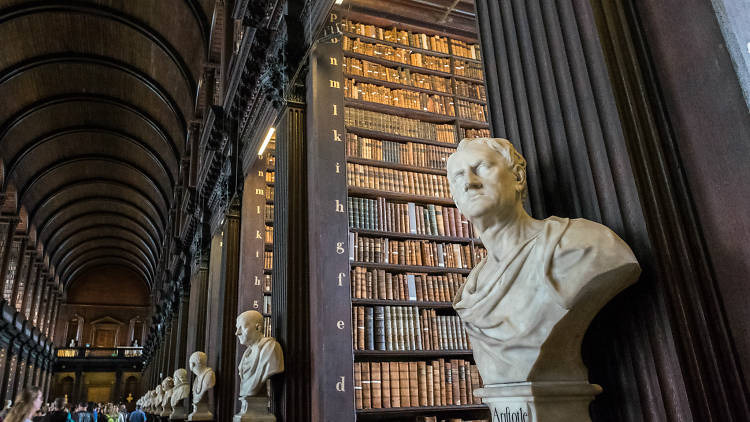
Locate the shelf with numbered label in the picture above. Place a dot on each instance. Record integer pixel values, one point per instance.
(408, 98)
(269, 160)
(387, 247)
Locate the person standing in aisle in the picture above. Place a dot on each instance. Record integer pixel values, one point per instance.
(137, 415)
(57, 414)
(27, 403)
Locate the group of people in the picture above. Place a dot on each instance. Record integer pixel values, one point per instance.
(29, 407)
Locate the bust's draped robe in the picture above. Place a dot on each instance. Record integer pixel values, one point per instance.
(527, 318)
(259, 362)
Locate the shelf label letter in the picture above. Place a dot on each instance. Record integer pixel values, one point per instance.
(335, 110)
(255, 304)
(257, 281)
(334, 62)
(336, 136)
(258, 191)
(340, 385)
(338, 167)
(341, 278)
(339, 206)
(257, 234)
(340, 247)
(340, 325)
(335, 84)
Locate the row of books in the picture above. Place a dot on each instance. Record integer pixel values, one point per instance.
(398, 181)
(269, 212)
(270, 176)
(429, 219)
(267, 327)
(269, 194)
(409, 252)
(396, 55)
(397, 75)
(267, 283)
(375, 283)
(468, 69)
(403, 98)
(474, 133)
(394, 35)
(269, 234)
(471, 90)
(267, 304)
(268, 260)
(402, 126)
(406, 328)
(462, 49)
(415, 384)
(469, 110)
(409, 153)
(270, 161)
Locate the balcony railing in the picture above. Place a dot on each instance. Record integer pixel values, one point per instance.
(99, 352)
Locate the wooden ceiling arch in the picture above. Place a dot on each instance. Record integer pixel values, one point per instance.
(95, 206)
(76, 191)
(106, 261)
(103, 218)
(88, 250)
(98, 96)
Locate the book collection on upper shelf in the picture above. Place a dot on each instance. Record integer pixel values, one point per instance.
(270, 179)
(408, 99)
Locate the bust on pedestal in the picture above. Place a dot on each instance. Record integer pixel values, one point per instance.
(262, 359)
(180, 392)
(527, 305)
(166, 402)
(204, 381)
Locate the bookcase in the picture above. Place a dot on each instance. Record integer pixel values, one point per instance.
(395, 103)
(269, 175)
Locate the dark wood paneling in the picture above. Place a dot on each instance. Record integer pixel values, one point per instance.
(290, 284)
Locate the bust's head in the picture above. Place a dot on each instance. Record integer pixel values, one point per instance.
(198, 362)
(180, 376)
(249, 327)
(167, 383)
(487, 176)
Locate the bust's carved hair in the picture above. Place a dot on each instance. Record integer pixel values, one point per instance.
(502, 146)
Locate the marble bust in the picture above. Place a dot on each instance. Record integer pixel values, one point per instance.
(262, 359)
(527, 305)
(166, 402)
(204, 381)
(180, 392)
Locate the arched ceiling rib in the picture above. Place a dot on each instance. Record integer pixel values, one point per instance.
(97, 97)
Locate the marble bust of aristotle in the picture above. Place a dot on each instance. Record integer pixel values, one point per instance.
(527, 305)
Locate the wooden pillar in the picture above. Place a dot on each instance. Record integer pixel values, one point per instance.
(50, 332)
(180, 352)
(226, 395)
(290, 284)
(196, 337)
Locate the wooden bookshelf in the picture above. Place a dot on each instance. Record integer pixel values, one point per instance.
(417, 143)
(460, 121)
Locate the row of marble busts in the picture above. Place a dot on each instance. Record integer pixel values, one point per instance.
(262, 359)
(167, 398)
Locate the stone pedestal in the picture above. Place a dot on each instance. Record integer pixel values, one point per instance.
(539, 401)
(201, 412)
(254, 409)
(178, 412)
(166, 410)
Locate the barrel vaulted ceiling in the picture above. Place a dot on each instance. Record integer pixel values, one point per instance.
(95, 100)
